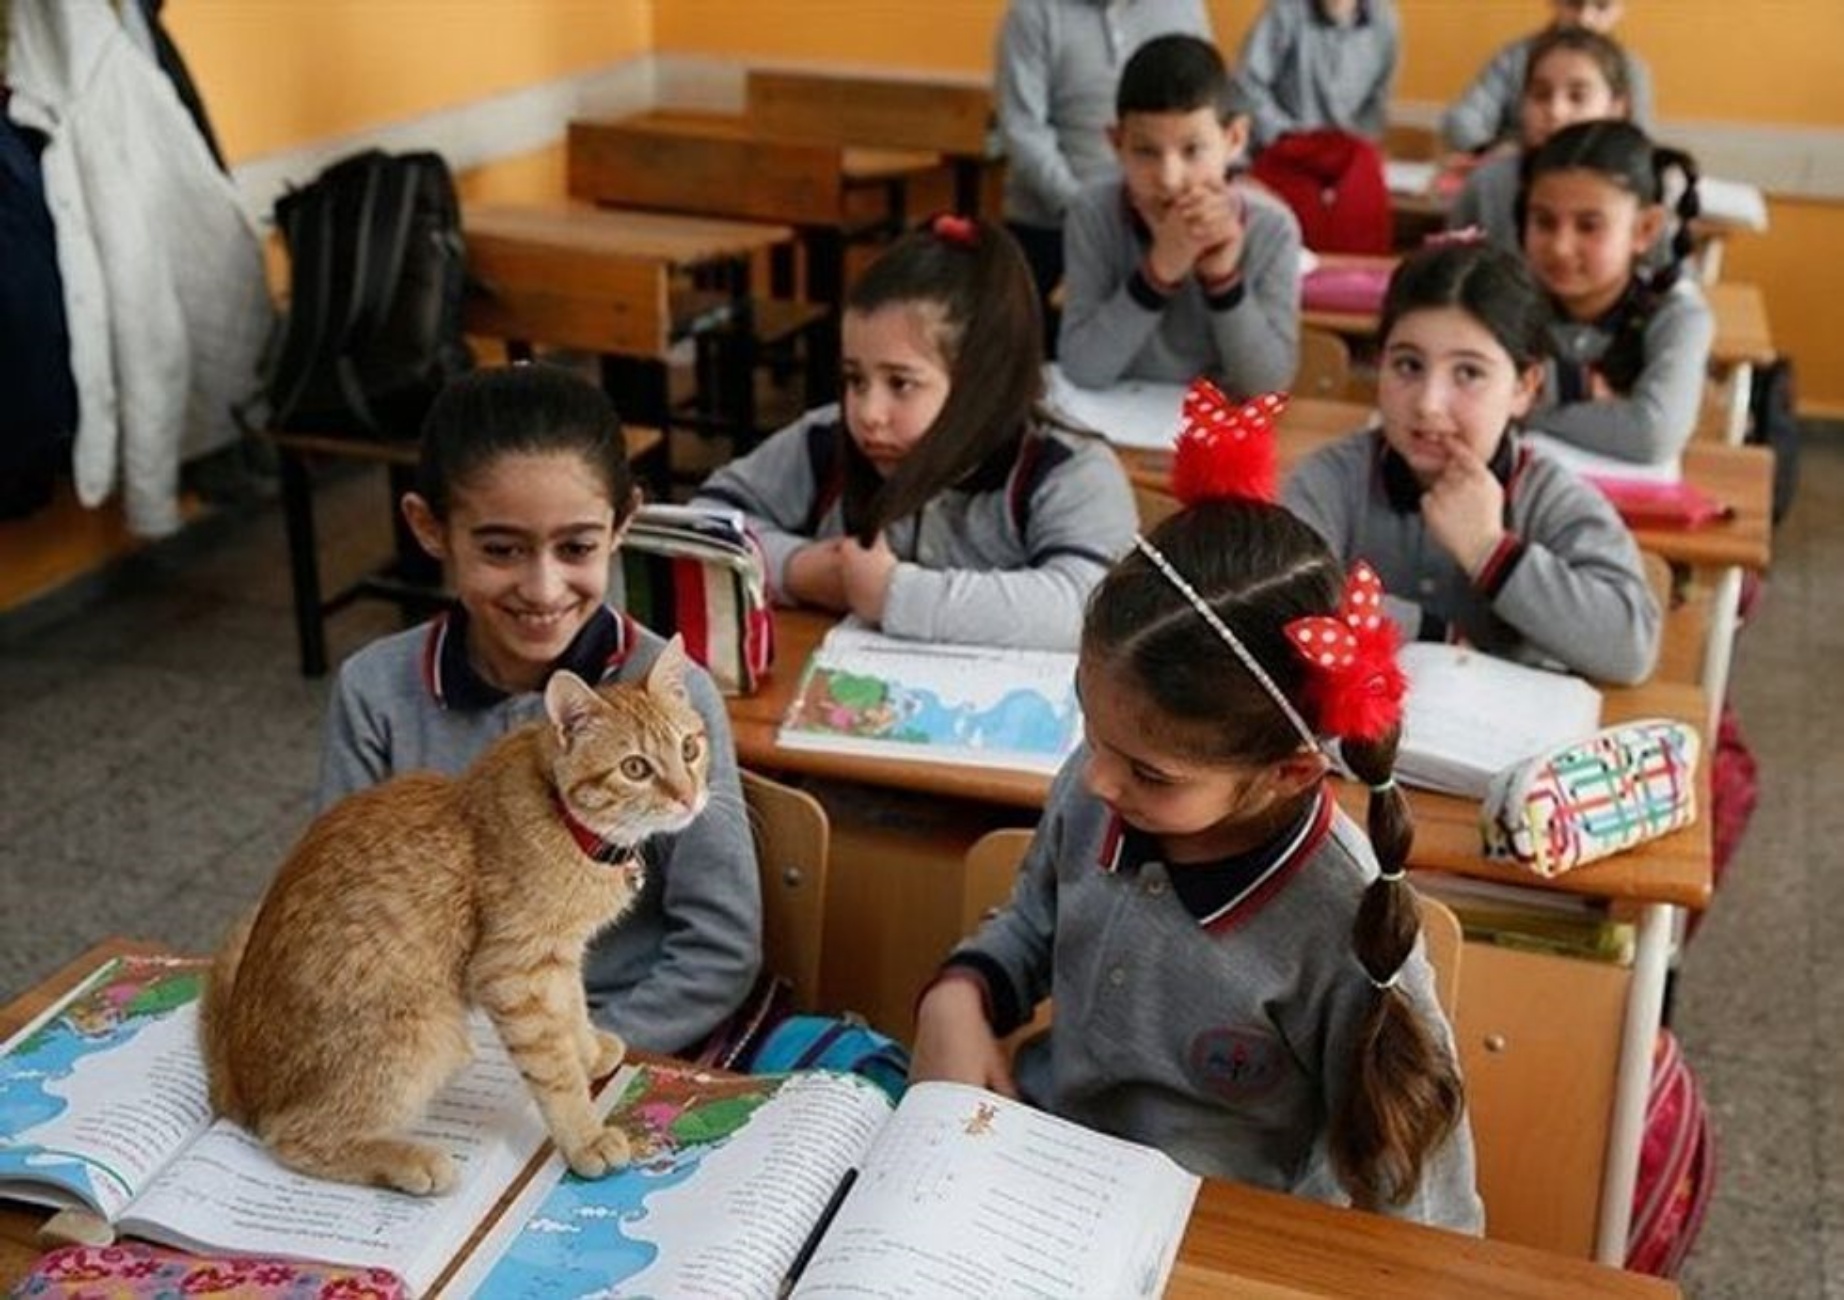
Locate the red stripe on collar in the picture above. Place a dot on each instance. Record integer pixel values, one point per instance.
(1112, 841)
(432, 656)
(1246, 904)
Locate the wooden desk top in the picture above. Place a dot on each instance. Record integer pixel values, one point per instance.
(1740, 477)
(1240, 1241)
(1742, 333)
(1251, 1243)
(584, 228)
(858, 165)
(1674, 869)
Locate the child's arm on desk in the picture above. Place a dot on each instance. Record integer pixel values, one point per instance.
(774, 486)
(1255, 316)
(1108, 314)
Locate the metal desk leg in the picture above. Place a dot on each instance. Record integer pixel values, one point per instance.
(303, 561)
(1645, 1002)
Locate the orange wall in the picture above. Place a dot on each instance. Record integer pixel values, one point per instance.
(279, 73)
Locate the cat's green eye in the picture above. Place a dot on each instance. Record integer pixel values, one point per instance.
(636, 768)
(693, 746)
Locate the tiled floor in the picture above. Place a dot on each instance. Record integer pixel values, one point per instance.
(157, 754)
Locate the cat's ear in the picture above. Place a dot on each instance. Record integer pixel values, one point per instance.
(667, 676)
(571, 704)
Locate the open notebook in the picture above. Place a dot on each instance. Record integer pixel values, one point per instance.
(1469, 716)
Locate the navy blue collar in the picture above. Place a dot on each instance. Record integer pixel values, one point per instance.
(1220, 894)
(595, 654)
(1403, 490)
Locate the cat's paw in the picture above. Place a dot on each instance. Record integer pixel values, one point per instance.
(422, 1171)
(601, 1155)
(608, 1052)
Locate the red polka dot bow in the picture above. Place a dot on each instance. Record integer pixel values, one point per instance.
(1355, 684)
(1225, 451)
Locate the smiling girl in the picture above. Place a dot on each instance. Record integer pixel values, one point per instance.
(1479, 538)
(522, 492)
(1631, 345)
(939, 502)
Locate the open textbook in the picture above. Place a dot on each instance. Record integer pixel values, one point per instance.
(955, 1192)
(978, 706)
(1132, 413)
(1469, 715)
(103, 1104)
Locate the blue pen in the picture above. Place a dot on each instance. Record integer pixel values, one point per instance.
(811, 1244)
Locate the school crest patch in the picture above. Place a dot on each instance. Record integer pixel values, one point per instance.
(1240, 1064)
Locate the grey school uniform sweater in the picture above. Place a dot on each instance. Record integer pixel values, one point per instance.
(1209, 1010)
(1008, 564)
(1299, 72)
(1487, 110)
(1118, 325)
(1654, 414)
(685, 956)
(1488, 200)
(1057, 65)
(1566, 586)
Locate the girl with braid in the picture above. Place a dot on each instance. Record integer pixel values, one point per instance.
(1235, 965)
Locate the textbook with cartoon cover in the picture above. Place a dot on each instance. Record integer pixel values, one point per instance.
(979, 706)
(103, 1106)
(955, 1191)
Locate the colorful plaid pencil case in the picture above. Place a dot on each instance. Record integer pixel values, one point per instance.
(697, 571)
(1594, 798)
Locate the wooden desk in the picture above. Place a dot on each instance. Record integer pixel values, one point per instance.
(1240, 1241)
(722, 165)
(600, 279)
(951, 118)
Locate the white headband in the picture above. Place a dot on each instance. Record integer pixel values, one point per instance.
(1231, 640)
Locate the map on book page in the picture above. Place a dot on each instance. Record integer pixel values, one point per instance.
(729, 1175)
(61, 1093)
(980, 706)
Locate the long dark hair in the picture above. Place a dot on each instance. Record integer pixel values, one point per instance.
(991, 338)
(523, 409)
(1627, 158)
(1258, 567)
(1492, 285)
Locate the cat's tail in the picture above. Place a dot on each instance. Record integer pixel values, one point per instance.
(214, 1018)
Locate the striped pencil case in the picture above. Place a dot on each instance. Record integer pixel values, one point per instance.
(1593, 798)
(698, 572)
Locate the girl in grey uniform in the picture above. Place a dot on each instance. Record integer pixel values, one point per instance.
(1575, 75)
(1235, 967)
(1479, 538)
(941, 502)
(522, 493)
(1631, 345)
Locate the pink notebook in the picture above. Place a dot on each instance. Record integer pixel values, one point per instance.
(1344, 288)
(132, 1271)
(1660, 505)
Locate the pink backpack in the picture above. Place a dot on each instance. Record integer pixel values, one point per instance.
(1677, 1166)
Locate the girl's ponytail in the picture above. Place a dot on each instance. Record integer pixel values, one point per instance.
(991, 340)
(1688, 206)
(1405, 1097)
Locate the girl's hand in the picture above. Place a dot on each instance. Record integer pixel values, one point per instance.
(816, 575)
(954, 1042)
(866, 571)
(1465, 509)
(1599, 390)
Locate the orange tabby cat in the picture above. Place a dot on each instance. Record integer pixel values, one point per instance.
(335, 1012)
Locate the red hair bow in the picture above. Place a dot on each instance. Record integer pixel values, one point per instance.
(1356, 686)
(955, 229)
(1225, 451)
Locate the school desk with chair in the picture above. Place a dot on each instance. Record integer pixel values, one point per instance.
(1239, 1241)
(1533, 1027)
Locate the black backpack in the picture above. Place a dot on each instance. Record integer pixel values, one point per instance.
(377, 275)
